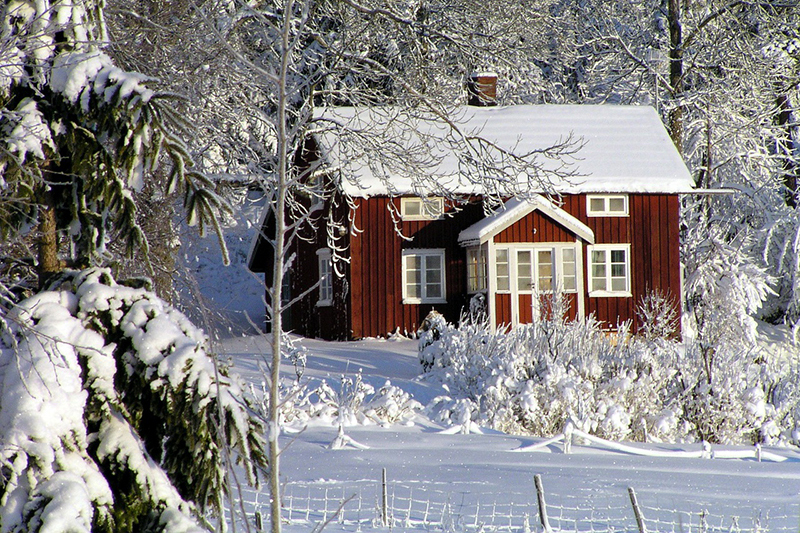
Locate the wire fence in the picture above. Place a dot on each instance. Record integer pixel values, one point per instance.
(368, 505)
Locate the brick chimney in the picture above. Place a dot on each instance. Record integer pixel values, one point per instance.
(482, 89)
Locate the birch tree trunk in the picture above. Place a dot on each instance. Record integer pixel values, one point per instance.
(283, 180)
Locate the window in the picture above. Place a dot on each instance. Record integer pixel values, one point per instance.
(423, 276)
(608, 205)
(524, 270)
(325, 277)
(569, 270)
(476, 270)
(609, 270)
(421, 209)
(501, 270)
(537, 268)
(544, 270)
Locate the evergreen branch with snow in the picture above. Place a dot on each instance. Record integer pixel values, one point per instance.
(79, 137)
(114, 415)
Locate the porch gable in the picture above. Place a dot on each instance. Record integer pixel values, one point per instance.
(515, 210)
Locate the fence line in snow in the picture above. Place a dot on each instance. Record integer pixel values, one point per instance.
(409, 506)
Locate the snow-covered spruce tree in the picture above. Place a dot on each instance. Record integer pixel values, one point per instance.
(78, 136)
(110, 414)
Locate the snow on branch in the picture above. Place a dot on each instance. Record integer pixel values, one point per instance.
(108, 396)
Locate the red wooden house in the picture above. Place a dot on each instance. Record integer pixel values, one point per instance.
(610, 236)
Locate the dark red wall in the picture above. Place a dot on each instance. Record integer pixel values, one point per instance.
(376, 275)
(368, 302)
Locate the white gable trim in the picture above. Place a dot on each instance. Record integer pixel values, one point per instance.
(515, 210)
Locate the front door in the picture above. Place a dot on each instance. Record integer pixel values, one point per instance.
(534, 277)
(528, 276)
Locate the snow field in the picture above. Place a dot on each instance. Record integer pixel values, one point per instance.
(473, 482)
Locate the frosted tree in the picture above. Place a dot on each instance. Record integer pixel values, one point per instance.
(113, 415)
(724, 76)
(288, 64)
(79, 136)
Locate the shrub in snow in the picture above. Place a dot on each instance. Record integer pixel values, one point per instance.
(724, 291)
(113, 416)
(353, 402)
(778, 244)
(534, 378)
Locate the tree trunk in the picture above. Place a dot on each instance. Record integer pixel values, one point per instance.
(676, 73)
(281, 188)
(47, 239)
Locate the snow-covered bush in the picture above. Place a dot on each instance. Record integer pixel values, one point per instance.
(113, 416)
(353, 402)
(534, 378)
(778, 243)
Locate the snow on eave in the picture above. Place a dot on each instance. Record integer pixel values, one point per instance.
(513, 211)
(625, 149)
(713, 192)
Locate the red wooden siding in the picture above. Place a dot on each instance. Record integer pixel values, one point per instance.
(305, 317)
(376, 271)
(652, 230)
(535, 227)
(503, 311)
(368, 302)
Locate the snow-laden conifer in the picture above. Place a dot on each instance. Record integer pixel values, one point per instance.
(113, 415)
(79, 135)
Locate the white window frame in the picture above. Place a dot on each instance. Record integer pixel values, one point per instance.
(429, 208)
(606, 210)
(325, 270)
(608, 291)
(559, 250)
(476, 259)
(423, 298)
(557, 254)
(510, 268)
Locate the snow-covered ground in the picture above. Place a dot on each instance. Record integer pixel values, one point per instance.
(438, 480)
(462, 482)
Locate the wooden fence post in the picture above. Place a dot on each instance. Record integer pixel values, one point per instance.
(637, 511)
(569, 429)
(384, 500)
(537, 479)
(259, 522)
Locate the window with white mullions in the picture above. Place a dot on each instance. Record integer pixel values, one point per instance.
(607, 205)
(325, 277)
(609, 270)
(414, 208)
(569, 270)
(524, 270)
(423, 276)
(537, 268)
(476, 270)
(544, 270)
(502, 273)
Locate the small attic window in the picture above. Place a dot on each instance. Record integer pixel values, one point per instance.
(607, 205)
(421, 208)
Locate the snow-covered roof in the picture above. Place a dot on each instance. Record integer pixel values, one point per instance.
(625, 148)
(514, 210)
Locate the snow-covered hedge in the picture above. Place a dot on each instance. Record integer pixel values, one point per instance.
(534, 378)
(111, 413)
(353, 402)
